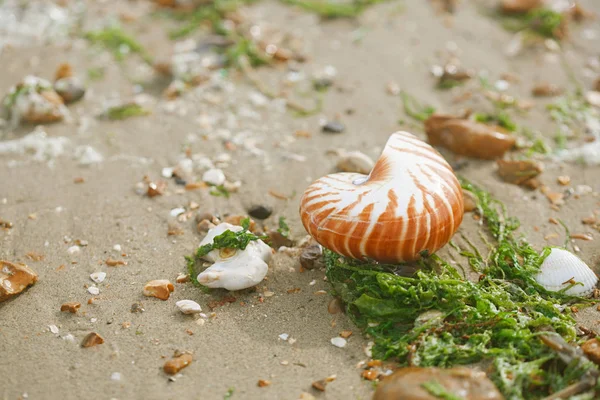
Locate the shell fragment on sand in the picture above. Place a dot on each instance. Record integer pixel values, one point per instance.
(562, 270)
(234, 269)
(14, 278)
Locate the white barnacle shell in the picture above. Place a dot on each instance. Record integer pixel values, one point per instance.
(561, 269)
(411, 202)
(234, 269)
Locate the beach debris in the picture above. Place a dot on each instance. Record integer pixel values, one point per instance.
(160, 288)
(321, 384)
(312, 257)
(335, 306)
(345, 334)
(71, 307)
(451, 75)
(582, 236)
(204, 226)
(92, 339)
(546, 89)
(177, 363)
(469, 201)
(333, 127)
(237, 220)
(98, 277)
(260, 211)
(562, 270)
(182, 278)
(263, 383)
(564, 180)
(370, 374)
(591, 349)
(214, 176)
(234, 268)
(414, 383)
(137, 308)
(120, 110)
(390, 195)
(156, 188)
(355, 161)
(68, 86)
(14, 278)
(93, 290)
(339, 342)
(520, 172)
(466, 137)
(188, 307)
(555, 198)
(114, 263)
(33, 100)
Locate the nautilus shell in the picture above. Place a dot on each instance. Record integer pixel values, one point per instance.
(562, 269)
(411, 202)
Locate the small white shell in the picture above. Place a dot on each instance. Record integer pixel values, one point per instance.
(188, 307)
(561, 268)
(235, 269)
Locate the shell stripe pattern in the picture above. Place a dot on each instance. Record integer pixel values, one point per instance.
(410, 202)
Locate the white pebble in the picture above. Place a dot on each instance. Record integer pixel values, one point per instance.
(69, 337)
(93, 290)
(284, 336)
(98, 277)
(177, 211)
(167, 172)
(115, 376)
(188, 307)
(214, 176)
(339, 342)
(73, 249)
(117, 247)
(53, 328)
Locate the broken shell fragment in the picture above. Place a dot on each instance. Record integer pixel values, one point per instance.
(92, 339)
(545, 89)
(467, 138)
(14, 278)
(178, 363)
(34, 100)
(561, 270)
(161, 289)
(460, 382)
(70, 89)
(71, 307)
(411, 203)
(521, 172)
(188, 307)
(519, 6)
(234, 269)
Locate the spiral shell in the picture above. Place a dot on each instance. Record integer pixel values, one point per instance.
(411, 202)
(561, 269)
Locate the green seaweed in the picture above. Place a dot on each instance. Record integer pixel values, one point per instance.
(334, 9)
(413, 108)
(501, 119)
(126, 111)
(119, 43)
(495, 320)
(283, 229)
(540, 21)
(438, 390)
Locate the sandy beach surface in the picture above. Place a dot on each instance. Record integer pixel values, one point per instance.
(77, 227)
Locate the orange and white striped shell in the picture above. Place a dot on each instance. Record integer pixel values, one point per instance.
(411, 202)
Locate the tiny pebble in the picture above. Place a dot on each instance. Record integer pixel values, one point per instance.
(333, 127)
(117, 247)
(260, 212)
(283, 336)
(53, 328)
(73, 249)
(188, 307)
(177, 211)
(98, 277)
(339, 342)
(115, 376)
(93, 290)
(214, 177)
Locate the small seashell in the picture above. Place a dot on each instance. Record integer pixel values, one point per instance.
(70, 89)
(410, 203)
(160, 288)
(98, 277)
(188, 307)
(561, 269)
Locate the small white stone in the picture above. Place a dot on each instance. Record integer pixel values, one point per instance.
(188, 307)
(501, 85)
(291, 340)
(53, 329)
(177, 211)
(98, 277)
(117, 247)
(284, 336)
(339, 342)
(73, 249)
(167, 172)
(214, 177)
(92, 320)
(200, 321)
(93, 290)
(312, 282)
(115, 376)
(69, 337)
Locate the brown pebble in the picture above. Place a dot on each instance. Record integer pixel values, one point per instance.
(564, 180)
(237, 220)
(335, 306)
(204, 226)
(589, 220)
(183, 278)
(312, 257)
(374, 363)
(176, 364)
(14, 278)
(113, 263)
(546, 89)
(263, 383)
(518, 172)
(161, 289)
(346, 334)
(556, 198)
(370, 374)
(582, 236)
(553, 221)
(156, 189)
(71, 307)
(303, 134)
(92, 339)
(320, 385)
(79, 179)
